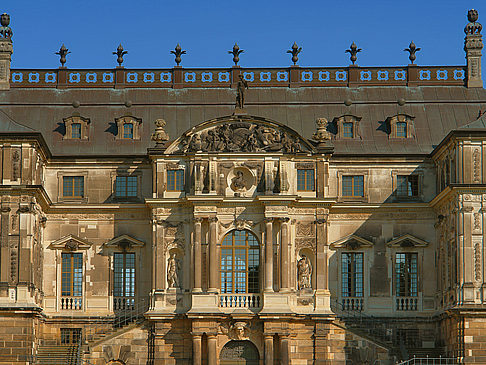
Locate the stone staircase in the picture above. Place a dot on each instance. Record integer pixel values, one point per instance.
(57, 355)
(381, 332)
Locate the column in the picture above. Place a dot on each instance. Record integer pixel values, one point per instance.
(284, 254)
(196, 349)
(213, 255)
(197, 255)
(285, 349)
(212, 349)
(269, 254)
(268, 338)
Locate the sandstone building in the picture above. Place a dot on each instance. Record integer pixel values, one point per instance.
(334, 216)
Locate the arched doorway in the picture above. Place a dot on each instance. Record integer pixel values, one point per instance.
(240, 263)
(239, 353)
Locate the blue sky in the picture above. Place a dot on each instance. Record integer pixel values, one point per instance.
(149, 29)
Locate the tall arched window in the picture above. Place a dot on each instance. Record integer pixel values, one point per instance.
(240, 263)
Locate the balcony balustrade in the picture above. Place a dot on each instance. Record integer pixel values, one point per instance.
(248, 300)
(71, 303)
(123, 303)
(352, 304)
(406, 303)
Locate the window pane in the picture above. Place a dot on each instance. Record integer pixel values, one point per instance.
(72, 274)
(175, 180)
(347, 185)
(401, 129)
(240, 263)
(406, 274)
(358, 185)
(121, 186)
(348, 130)
(76, 130)
(124, 275)
(128, 130)
(132, 186)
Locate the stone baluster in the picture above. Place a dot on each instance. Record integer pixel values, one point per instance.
(213, 255)
(268, 254)
(197, 255)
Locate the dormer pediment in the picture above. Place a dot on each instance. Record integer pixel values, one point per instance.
(124, 242)
(70, 243)
(407, 241)
(351, 242)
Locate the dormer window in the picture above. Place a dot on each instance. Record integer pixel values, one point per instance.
(77, 127)
(76, 131)
(347, 127)
(128, 131)
(400, 126)
(128, 127)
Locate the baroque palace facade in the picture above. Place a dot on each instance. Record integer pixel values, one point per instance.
(334, 216)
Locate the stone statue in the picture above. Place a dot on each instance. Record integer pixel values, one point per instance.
(173, 267)
(304, 271)
(238, 181)
(240, 92)
(5, 30)
(321, 134)
(160, 135)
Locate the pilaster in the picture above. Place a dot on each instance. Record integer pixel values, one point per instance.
(6, 50)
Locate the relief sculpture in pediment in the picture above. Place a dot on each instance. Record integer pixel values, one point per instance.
(241, 137)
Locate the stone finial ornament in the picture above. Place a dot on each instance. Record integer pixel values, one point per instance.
(236, 53)
(120, 53)
(178, 52)
(321, 135)
(63, 52)
(412, 49)
(353, 51)
(295, 50)
(160, 136)
(473, 27)
(5, 30)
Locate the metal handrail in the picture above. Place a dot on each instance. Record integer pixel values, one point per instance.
(120, 319)
(431, 361)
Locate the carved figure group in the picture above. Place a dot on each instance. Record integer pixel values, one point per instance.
(473, 27)
(241, 137)
(160, 135)
(173, 267)
(304, 270)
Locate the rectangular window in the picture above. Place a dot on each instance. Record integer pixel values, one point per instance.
(76, 131)
(352, 274)
(124, 275)
(128, 130)
(408, 185)
(126, 186)
(72, 274)
(406, 275)
(175, 180)
(348, 130)
(305, 180)
(353, 186)
(401, 129)
(70, 336)
(73, 186)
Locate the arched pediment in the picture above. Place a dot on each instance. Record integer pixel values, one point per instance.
(240, 133)
(407, 241)
(351, 242)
